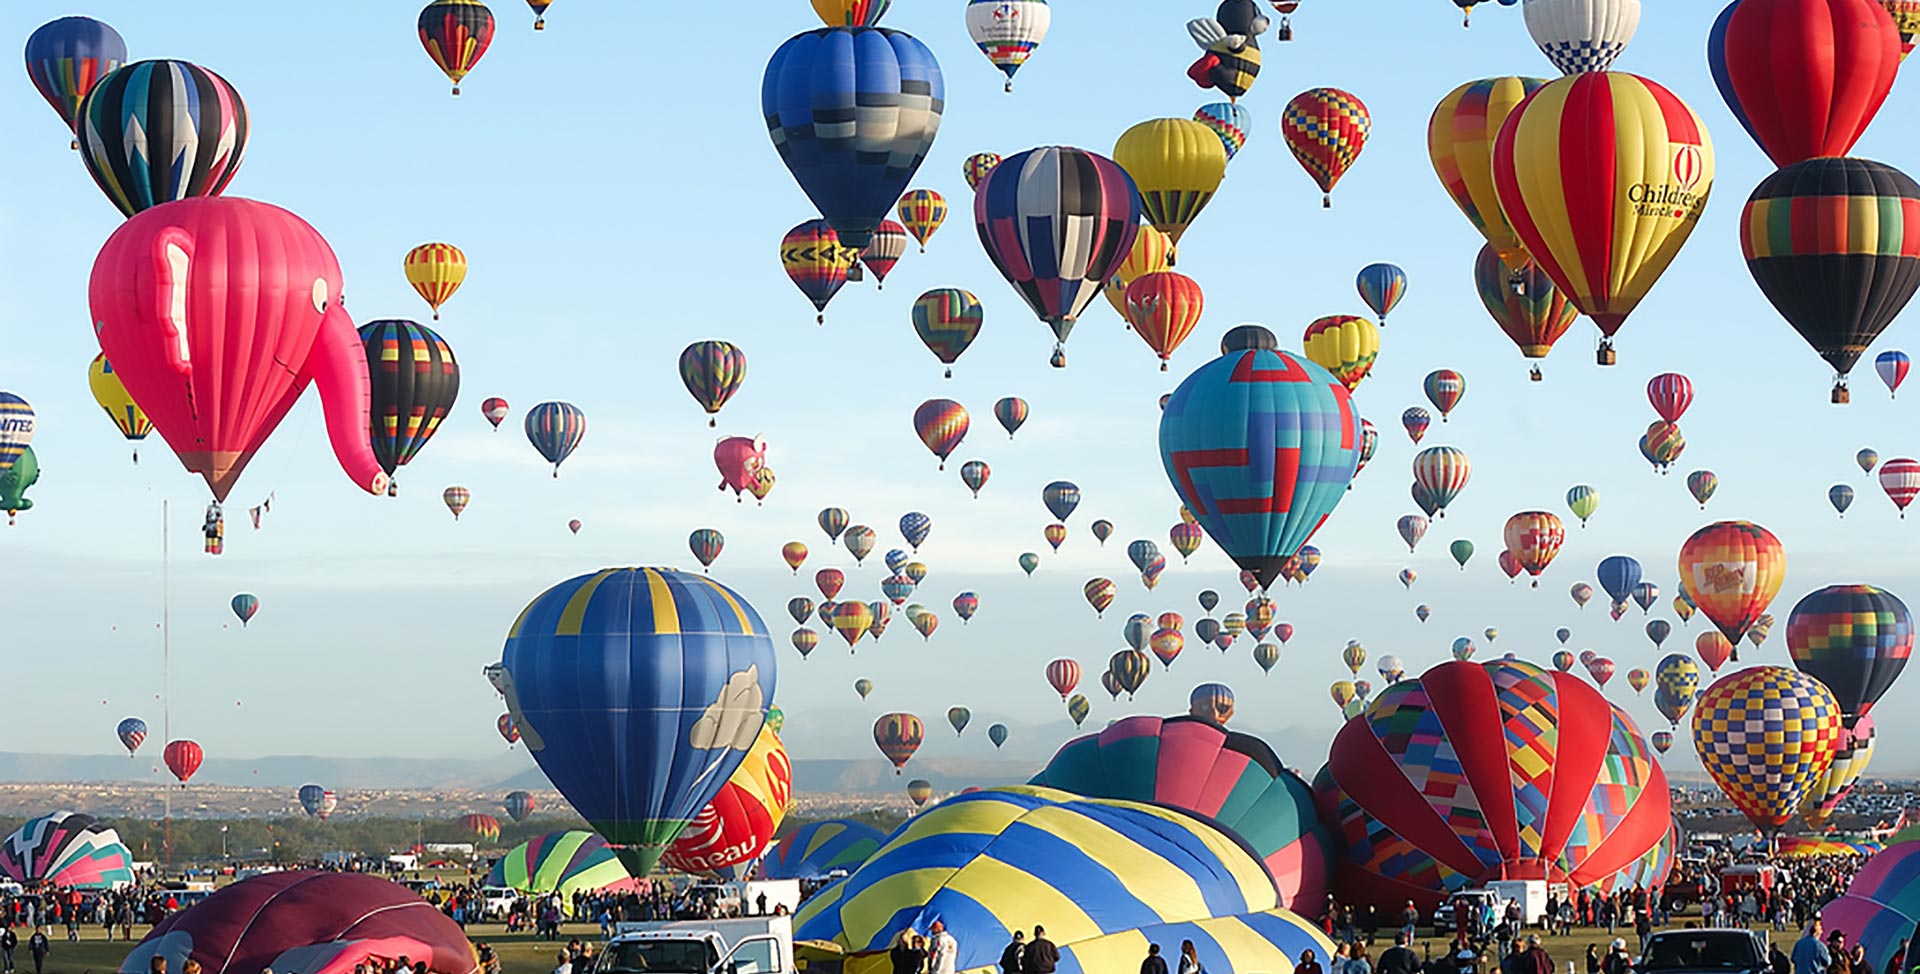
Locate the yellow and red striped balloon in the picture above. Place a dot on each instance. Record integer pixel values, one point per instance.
(435, 270)
(1603, 177)
(1345, 345)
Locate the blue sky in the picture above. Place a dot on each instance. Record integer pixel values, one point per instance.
(614, 188)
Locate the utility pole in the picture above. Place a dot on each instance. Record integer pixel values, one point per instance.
(166, 660)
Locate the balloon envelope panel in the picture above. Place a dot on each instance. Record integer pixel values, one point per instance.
(558, 862)
(819, 848)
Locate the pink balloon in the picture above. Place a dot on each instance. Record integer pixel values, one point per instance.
(739, 459)
(217, 313)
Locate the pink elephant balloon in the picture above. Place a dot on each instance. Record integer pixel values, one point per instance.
(739, 459)
(217, 313)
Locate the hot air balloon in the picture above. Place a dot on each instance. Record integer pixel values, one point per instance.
(1900, 478)
(859, 541)
(888, 245)
(1151, 251)
(705, 707)
(67, 57)
(1057, 222)
(1345, 345)
(805, 640)
(947, 320)
(1701, 484)
(1524, 303)
(1460, 138)
(1326, 128)
(1056, 535)
(1658, 630)
(1228, 120)
(1461, 550)
(1838, 282)
(898, 735)
(1218, 457)
(922, 211)
(1371, 787)
(712, 371)
(1670, 393)
(1416, 420)
(435, 271)
(1601, 669)
(1644, 595)
(1855, 639)
(1619, 575)
(1230, 46)
(1581, 593)
(112, 396)
(495, 410)
(1714, 649)
(1166, 644)
(509, 731)
(1731, 571)
(1063, 675)
(132, 732)
(1661, 444)
(817, 263)
(1841, 497)
(1534, 538)
(1445, 388)
(1176, 164)
(1412, 528)
(705, 543)
(1766, 735)
(1442, 472)
(1581, 36)
(1892, 366)
(415, 379)
(183, 758)
(853, 112)
(1381, 286)
(1130, 668)
(1164, 307)
(456, 34)
(267, 292)
(1804, 78)
(941, 424)
(1638, 678)
(1007, 31)
(556, 429)
(153, 132)
(1574, 214)
(1407, 577)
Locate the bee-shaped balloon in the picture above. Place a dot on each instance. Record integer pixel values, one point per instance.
(1229, 39)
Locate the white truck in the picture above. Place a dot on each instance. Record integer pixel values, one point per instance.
(758, 945)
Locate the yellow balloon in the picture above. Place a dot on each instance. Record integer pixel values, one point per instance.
(1152, 251)
(112, 397)
(1177, 163)
(850, 13)
(1345, 345)
(435, 270)
(1341, 692)
(1460, 140)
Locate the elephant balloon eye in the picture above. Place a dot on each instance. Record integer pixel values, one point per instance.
(320, 295)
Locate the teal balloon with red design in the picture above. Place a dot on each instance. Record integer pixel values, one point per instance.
(1260, 444)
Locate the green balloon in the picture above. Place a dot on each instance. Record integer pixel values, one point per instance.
(24, 473)
(1029, 561)
(1462, 550)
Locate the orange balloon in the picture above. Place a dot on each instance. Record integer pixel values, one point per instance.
(1164, 307)
(1731, 570)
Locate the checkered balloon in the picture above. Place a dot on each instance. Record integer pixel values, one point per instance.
(1766, 734)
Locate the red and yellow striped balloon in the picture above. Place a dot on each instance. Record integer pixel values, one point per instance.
(1345, 345)
(435, 270)
(1603, 177)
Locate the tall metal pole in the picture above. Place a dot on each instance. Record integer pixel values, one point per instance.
(166, 660)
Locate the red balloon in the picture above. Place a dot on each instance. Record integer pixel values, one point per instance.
(1499, 770)
(1805, 76)
(217, 313)
(739, 459)
(183, 759)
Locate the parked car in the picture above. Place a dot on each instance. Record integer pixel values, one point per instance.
(1475, 899)
(1711, 951)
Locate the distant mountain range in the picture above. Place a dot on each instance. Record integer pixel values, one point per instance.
(277, 771)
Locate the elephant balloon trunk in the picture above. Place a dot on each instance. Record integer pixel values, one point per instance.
(337, 364)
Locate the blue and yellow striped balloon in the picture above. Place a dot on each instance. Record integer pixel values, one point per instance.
(1381, 286)
(113, 397)
(819, 848)
(1106, 877)
(638, 691)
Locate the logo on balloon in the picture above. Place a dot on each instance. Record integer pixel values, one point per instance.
(1675, 199)
(1723, 578)
(733, 719)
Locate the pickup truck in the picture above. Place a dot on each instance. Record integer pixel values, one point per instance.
(759, 945)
